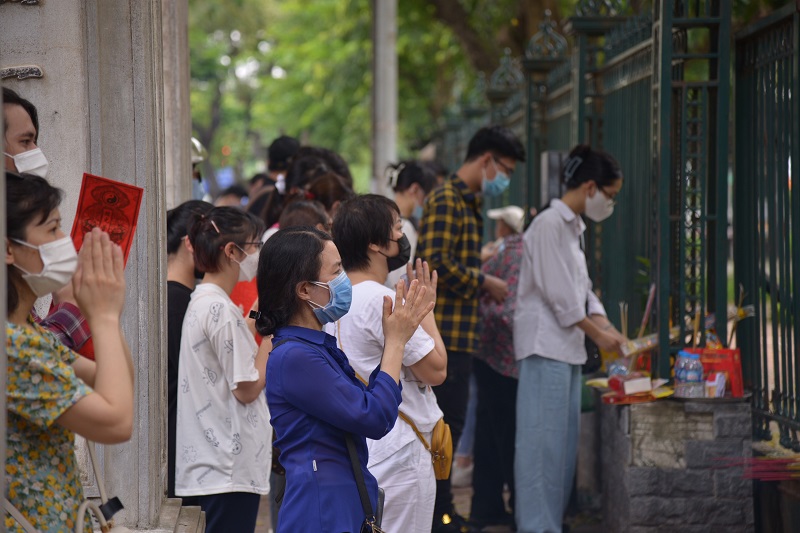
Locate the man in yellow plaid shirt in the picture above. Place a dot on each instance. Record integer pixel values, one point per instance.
(450, 240)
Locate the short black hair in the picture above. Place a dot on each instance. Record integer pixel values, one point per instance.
(29, 199)
(261, 177)
(235, 190)
(281, 151)
(13, 98)
(289, 257)
(437, 168)
(311, 162)
(211, 232)
(303, 213)
(180, 219)
(406, 173)
(499, 140)
(586, 164)
(362, 221)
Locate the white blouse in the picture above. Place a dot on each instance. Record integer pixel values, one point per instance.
(554, 288)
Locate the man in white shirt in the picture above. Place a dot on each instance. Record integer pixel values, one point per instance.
(367, 231)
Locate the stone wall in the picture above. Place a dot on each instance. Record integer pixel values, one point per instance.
(664, 467)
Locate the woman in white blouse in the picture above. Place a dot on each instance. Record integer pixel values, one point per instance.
(555, 309)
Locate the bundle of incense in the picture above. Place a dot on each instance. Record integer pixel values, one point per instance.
(764, 468)
(623, 318)
(647, 310)
(647, 343)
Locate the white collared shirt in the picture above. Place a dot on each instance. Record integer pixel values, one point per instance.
(554, 288)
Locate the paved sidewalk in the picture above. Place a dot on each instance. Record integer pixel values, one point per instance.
(463, 497)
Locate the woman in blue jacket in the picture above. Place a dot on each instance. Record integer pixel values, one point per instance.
(313, 394)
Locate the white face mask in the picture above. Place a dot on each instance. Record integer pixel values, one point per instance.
(60, 261)
(31, 162)
(248, 267)
(599, 207)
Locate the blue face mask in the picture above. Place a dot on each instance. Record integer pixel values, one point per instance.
(498, 185)
(339, 304)
(417, 213)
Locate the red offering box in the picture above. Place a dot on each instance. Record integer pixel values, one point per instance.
(724, 360)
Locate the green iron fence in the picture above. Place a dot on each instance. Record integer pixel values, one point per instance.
(767, 218)
(653, 90)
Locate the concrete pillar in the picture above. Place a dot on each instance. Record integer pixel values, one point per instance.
(101, 110)
(384, 92)
(177, 114)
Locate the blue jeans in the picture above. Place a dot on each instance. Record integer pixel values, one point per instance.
(467, 441)
(548, 415)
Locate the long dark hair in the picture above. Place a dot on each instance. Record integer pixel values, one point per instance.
(211, 232)
(180, 220)
(29, 199)
(289, 257)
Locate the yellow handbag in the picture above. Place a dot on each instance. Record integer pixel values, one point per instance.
(441, 446)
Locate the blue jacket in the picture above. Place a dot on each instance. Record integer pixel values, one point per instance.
(315, 398)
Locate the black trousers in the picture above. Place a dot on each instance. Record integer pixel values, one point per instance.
(493, 455)
(232, 511)
(452, 396)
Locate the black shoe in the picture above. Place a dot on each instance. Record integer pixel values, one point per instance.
(506, 519)
(452, 523)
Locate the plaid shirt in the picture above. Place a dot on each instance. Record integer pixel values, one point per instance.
(68, 325)
(450, 241)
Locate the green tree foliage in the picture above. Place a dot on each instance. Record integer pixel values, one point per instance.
(261, 68)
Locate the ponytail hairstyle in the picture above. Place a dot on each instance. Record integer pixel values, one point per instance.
(211, 232)
(29, 200)
(585, 164)
(180, 220)
(289, 257)
(406, 173)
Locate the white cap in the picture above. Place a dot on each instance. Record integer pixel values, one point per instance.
(512, 215)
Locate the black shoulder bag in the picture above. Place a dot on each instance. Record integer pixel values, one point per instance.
(372, 521)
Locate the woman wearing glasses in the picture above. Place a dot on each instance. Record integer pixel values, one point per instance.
(223, 452)
(555, 310)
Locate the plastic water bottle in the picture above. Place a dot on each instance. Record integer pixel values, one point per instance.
(689, 376)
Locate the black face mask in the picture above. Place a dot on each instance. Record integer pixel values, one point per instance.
(403, 256)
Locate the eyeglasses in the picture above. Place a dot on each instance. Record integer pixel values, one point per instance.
(508, 170)
(612, 198)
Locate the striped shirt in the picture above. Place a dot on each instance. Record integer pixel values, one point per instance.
(450, 241)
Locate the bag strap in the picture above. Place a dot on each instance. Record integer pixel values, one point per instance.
(401, 414)
(359, 475)
(19, 517)
(405, 418)
(410, 422)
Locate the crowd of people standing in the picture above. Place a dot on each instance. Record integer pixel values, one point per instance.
(319, 341)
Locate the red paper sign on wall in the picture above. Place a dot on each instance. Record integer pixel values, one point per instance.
(111, 206)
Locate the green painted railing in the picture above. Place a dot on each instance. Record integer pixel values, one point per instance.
(648, 90)
(767, 218)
